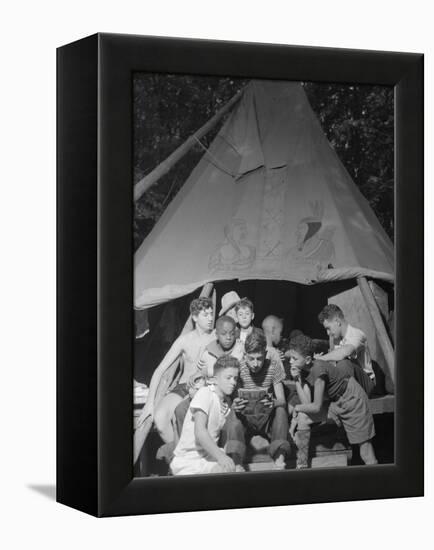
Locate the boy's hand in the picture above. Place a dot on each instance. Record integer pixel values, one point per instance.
(295, 372)
(226, 463)
(318, 355)
(267, 402)
(239, 404)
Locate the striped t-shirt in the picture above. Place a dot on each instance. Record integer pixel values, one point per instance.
(272, 372)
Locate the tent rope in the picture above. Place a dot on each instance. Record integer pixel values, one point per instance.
(212, 160)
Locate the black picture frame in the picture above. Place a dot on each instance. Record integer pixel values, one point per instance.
(95, 274)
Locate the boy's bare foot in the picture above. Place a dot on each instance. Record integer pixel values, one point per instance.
(239, 468)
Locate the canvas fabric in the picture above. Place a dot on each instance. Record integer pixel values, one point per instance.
(269, 200)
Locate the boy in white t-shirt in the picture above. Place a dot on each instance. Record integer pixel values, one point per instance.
(197, 451)
(350, 343)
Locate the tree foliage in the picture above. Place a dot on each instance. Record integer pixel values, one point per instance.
(358, 121)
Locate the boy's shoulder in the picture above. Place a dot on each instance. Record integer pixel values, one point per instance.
(204, 394)
(320, 367)
(193, 336)
(354, 333)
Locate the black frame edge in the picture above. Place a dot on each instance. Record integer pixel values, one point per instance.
(111, 488)
(76, 384)
(120, 493)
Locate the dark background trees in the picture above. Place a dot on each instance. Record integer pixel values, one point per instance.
(358, 121)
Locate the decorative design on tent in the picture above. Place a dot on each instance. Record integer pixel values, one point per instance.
(233, 253)
(314, 243)
(273, 217)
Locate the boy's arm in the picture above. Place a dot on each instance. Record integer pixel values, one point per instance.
(338, 353)
(207, 443)
(280, 400)
(318, 397)
(303, 392)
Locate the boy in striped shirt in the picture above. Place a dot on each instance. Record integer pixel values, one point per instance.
(261, 372)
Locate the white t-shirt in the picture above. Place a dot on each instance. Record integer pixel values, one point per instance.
(357, 338)
(207, 401)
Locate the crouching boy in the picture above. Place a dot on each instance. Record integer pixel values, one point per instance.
(261, 372)
(349, 405)
(197, 451)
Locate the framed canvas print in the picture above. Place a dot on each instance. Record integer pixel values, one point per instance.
(239, 275)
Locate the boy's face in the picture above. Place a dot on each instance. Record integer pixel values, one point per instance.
(225, 333)
(299, 361)
(226, 380)
(204, 319)
(255, 361)
(276, 333)
(245, 317)
(333, 327)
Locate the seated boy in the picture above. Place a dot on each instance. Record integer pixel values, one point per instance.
(225, 344)
(197, 451)
(261, 369)
(190, 347)
(350, 344)
(349, 405)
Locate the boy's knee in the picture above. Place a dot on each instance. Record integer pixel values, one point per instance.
(161, 418)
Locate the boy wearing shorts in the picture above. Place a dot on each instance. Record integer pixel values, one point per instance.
(349, 404)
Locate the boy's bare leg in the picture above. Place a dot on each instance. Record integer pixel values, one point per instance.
(163, 416)
(367, 453)
(302, 440)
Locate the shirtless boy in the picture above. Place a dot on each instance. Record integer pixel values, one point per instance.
(190, 347)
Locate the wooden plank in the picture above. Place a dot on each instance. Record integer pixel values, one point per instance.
(330, 461)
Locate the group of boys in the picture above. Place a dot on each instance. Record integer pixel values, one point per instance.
(232, 388)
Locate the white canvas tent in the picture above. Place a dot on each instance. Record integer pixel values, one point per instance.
(270, 199)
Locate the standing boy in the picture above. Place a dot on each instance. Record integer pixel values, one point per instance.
(190, 347)
(350, 344)
(198, 451)
(261, 369)
(349, 405)
(245, 316)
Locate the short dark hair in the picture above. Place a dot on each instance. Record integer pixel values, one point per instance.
(225, 319)
(330, 312)
(200, 304)
(226, 362)
(295, 332)
(244, 302)
(256, 341)
(303, 345)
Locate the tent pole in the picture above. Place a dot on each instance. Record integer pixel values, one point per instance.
(375, 314)
(147, 181)
(162, 385)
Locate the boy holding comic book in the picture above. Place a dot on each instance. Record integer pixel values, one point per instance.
(261, 405)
